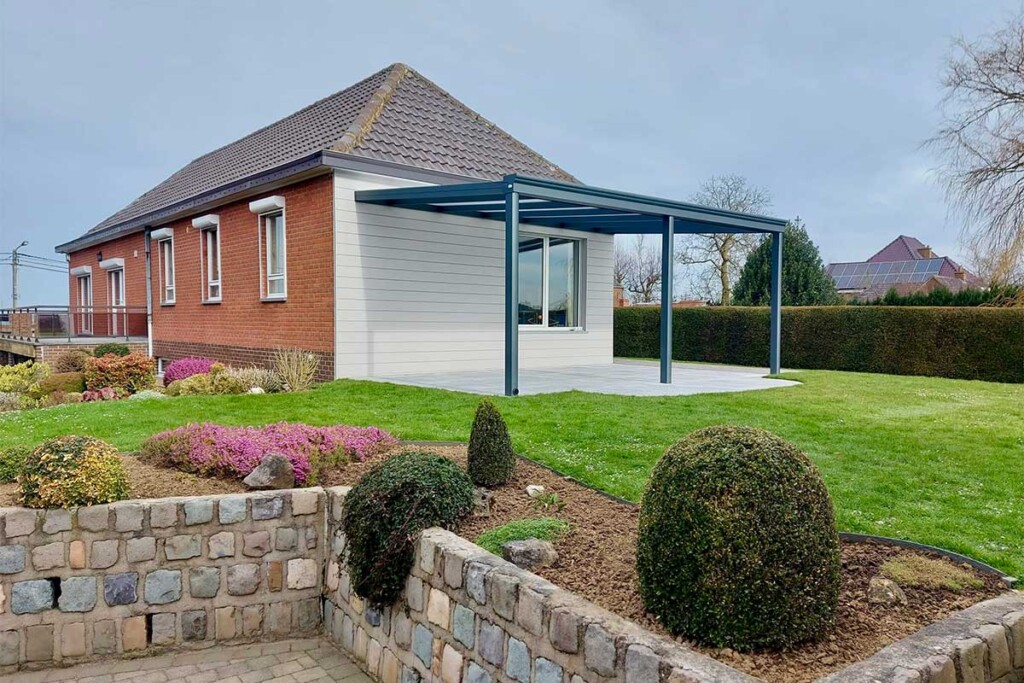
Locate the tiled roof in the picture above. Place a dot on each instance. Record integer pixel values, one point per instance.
(903, 248)
(395, 115)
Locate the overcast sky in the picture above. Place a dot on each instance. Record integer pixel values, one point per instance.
(824, 104)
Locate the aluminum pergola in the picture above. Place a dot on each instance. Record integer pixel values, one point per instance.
(520, 200)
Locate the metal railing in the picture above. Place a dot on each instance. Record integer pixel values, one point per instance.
(35, 323)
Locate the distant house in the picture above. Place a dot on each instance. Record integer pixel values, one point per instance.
(906, 265)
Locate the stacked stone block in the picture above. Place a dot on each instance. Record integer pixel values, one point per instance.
(135, 576)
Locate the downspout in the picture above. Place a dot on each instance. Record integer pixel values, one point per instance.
(149, 292)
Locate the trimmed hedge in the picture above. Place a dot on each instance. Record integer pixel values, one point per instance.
(959, 343)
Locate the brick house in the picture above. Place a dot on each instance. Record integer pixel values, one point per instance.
(289, 238)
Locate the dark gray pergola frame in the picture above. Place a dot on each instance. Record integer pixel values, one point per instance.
(534, 201)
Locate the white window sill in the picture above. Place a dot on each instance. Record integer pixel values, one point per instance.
(211, 302)
(273, 299)
(540, 329)
(166, 303)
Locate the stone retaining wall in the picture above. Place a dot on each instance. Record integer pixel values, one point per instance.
(137, 576)
(468, 616)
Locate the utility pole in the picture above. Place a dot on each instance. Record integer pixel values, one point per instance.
(14, 273)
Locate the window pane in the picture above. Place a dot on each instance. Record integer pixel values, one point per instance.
(562, 295)
(275, 286)
(531, 281)
(275, 245)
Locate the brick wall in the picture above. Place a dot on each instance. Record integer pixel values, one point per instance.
(131, 248)
(241, 327)
(139, 576)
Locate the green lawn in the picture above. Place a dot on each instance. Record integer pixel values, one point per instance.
(933, 460)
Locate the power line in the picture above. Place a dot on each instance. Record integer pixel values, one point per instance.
(42, 258)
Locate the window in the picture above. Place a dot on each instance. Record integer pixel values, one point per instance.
(272, 240)
(549, 282)
(165, 255)
(85, 304)
(210, 263)
(115, 280)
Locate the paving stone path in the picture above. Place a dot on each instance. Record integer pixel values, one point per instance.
(287, 661)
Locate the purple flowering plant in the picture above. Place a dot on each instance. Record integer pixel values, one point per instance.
(213, 450)
(186, 367)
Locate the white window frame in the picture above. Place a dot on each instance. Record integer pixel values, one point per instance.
(84, 302)
(265, 208)
(580, 254)
(116, 295)
(206, 281)
(166, 279)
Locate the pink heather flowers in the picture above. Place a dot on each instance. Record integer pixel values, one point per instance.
(211, 449)
(186, 367)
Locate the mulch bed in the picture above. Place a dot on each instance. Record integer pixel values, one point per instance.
(597, 561)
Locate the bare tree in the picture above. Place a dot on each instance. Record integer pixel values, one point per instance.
(982, 141)
(722, 255)
(638, 268)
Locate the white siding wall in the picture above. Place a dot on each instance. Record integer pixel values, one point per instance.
(421, 292)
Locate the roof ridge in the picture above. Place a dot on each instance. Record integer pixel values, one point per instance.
(476, 115)
(371, 111)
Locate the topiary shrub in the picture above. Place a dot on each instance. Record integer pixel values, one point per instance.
(388, 508)
(70, 360)
(492, 461)
(737, 542)
(69, 471)
(111, 348)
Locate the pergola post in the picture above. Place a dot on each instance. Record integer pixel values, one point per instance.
(511, 293)
(775, 322)
(667, 242)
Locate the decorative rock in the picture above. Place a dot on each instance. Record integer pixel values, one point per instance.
(274, 472)
(21, 523)
(39, 643)
(12, 559)
(103, 554)
(549, 672)
(423, 644)
(243, 579)
(221, 545)
(305, 502)
(55, 521)
(530, 553)
(128, 517)
(198, 511)
(133, 633)
(256, 390)
(104, 637)
(882, 591)
(72, 640)
(477, 674)
(451, 665)
(140, 549)
(164, 628)
(95, 518)
(203, 582)
(193, 625)
(121, 589)
(491, 644)
(162, 515)
(10, 647)
(438, 608)
(267, 508)
(76, 554)
(28, 597)
(303, 573)
(183, 546)
(163, 586)
(256, 544)
(535, 491)
(463, 627)
(564, 630)
(231, 510)
(517, 662)
(641, 664)
(599, 650)
(77, 594)
(285, 538)
(483, 502)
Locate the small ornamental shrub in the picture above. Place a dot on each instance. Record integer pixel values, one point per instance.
(216, 381)
(113, 348)
(11, 460)
(71, 360)
(491, 458)
(234, 452)
(69, 471)
(186, 367)
(59, 381)
(296, 368)
(737, 542)
(124, 374)
(388, 508)
(23, 377)
(252, 377)
(104, 394)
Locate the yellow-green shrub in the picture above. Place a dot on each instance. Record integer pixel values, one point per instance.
(69, 471)
(217, 381)
(22, 377)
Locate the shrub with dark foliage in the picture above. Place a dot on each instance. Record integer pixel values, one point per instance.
(388, 508)
(70, 360)
(492, 461)
(111, 348)
(737, 544)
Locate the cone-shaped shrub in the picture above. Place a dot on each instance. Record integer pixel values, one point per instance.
(737, 544)
(491, 458)
(386, 511)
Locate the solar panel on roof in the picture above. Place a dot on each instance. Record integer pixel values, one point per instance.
(865, 275)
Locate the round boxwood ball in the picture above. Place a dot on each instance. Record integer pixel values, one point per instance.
(384, 513)
(737, 543)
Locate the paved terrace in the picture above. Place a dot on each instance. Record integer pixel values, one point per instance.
(623, 378)
(287, 661)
